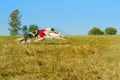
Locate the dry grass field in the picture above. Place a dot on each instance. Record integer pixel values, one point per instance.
(76, 58)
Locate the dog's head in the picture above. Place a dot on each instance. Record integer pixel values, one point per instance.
(49, 29)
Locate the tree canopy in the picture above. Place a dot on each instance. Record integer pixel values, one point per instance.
(33, 27)
(95, 31)
(14, 22)
(110, 31)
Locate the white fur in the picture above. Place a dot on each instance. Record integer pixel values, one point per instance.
(55, 36)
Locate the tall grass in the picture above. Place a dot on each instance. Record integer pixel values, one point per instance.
(76, 58)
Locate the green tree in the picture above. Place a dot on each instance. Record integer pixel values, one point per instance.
(33, 27)
(95, 31)
(110, 31)
(14, 22)
(24, 29)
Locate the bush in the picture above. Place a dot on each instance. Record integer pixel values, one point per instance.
(95, 31)
(33, 27)
(110, 31)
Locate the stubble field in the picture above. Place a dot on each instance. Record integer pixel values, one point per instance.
(76, 58)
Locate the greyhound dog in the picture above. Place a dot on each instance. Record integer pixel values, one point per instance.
(40, 35)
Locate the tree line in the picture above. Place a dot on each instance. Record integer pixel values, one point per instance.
(15, 24)
(107, 31)
(16, 29)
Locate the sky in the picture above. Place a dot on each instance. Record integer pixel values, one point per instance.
(70, 17)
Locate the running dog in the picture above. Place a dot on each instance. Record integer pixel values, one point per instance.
(37, 33)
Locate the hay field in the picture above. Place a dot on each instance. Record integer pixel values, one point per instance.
(76, 58)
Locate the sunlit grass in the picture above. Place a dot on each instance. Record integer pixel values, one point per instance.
(76, 58)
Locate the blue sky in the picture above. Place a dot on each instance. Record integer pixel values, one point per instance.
(71, 17)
